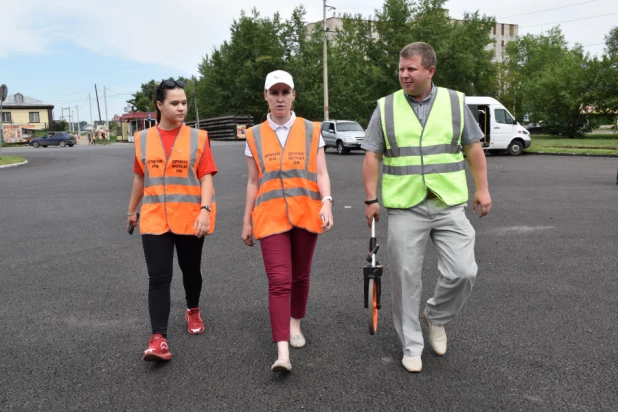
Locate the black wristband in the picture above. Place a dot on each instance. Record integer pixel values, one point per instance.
(370, 202)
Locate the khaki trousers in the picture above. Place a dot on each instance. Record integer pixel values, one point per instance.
(453, 235)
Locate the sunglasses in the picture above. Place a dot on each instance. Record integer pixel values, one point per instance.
(167, 84)
(170, 84)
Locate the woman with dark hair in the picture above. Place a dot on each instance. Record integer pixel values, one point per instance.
(288, 204)
(173, 176)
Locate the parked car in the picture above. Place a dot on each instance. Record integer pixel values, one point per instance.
(61, 139)
(534, 128)
(344, 135)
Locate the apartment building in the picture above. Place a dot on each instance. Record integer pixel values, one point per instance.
(501, 32)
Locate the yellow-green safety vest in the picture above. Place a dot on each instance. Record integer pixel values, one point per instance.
(418, 158)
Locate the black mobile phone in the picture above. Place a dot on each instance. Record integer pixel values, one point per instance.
(131, 227)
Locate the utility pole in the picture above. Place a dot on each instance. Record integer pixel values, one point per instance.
(4, 92)
(197, 116)
(77, 109)
(69, 110)
(324, 30)
(90, 104)
(98, 105)
(106, 117)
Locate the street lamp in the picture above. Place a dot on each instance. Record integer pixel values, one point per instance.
(326, 6)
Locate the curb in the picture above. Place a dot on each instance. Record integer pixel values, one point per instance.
(14, 164)
(569, 154)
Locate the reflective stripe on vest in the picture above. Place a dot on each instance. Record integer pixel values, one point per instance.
(419, 157)
(172, 191)
(288, 193)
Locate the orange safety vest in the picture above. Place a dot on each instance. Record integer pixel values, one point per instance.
(288, 196)
(172, 191)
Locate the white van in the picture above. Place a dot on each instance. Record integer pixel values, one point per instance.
(501, 131)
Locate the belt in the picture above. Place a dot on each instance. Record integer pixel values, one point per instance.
(431, 195)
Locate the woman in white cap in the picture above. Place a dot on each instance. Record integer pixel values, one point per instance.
(288, 204)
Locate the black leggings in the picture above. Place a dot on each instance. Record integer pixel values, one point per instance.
(159, 252)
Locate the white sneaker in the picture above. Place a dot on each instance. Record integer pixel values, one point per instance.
(437, 337)
(297, 341)
(412, 363)
(281, 366)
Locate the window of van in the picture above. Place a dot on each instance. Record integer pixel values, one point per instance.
(502, 116)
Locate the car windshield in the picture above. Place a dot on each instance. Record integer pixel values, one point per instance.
(349, 127)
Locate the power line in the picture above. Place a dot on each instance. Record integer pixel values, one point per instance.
(81, 99)
(116, 98)
(62, 102)
(70, 94)
(568, 21)
(71, 99)
(113, 91)
(541, 11)
(119, 94)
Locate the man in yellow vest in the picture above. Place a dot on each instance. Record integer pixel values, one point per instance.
(419, 133)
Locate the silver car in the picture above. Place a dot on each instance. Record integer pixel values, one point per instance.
(344, 135)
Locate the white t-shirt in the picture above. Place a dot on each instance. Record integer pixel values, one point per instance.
(282, 132)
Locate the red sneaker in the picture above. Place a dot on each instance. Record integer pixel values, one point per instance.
(194, 321)
(157, 349)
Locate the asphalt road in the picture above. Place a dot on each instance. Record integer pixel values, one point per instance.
(538, 333)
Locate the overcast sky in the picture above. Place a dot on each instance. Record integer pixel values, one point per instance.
(57, 50)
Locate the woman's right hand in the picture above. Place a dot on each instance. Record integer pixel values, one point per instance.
(132, 220)
(247, 234)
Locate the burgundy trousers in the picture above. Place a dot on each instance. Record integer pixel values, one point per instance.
(287, 260)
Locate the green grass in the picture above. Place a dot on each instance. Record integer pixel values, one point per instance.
(39, 133)
(9, 160)
(14, 144)
(600, 144)
(107, 141)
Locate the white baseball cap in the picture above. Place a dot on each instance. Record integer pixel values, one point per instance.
(276, 77)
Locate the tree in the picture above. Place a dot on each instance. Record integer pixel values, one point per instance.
(60, 126)
(549, 82)
(189, 87)
(540, 75)
(463, 62)
(611, 44)
(355, 80)
(143, 99)
(558, 96)
(232, 78)
(365, 66)
(394, 25)
(524, 60)
(303, 59)
(606, 80)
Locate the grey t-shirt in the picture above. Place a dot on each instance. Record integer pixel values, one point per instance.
(374, 136)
